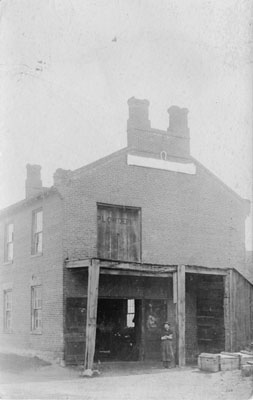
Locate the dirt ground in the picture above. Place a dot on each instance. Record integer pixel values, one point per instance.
(32, 378)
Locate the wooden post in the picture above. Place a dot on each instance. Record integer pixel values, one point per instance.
(91, 319)
(142, 344)
(181, 314)
(228, 311)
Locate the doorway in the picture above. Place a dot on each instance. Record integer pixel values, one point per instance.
(118, 335)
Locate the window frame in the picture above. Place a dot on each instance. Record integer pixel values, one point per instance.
(130, 313)
(36, 309)
(8, 243)
(7, 327)
(36, 234)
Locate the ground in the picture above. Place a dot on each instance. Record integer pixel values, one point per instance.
(32, 378)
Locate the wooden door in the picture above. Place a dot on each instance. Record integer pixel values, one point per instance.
(118, 233)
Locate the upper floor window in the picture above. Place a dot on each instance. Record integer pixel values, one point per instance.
(9, 236)
(37, 231)
(7, 310)
(36, 308)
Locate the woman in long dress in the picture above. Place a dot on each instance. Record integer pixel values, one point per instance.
(166, 345)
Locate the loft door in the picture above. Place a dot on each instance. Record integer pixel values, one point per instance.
(118, 233)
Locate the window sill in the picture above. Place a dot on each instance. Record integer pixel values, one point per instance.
(36, 255)
(36, 332)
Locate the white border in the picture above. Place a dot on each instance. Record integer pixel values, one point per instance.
(187, 168)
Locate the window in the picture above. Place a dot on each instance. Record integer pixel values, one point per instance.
(7, 310)
(130, 313)
(9, 236)
(36, 309)
(37, 232)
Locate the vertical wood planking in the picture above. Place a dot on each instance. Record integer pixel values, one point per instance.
(118, 233)
(181, 314)
(93, 283)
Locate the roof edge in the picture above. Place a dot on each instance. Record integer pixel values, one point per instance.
(222, 183)
(99, 162)
(25, 202)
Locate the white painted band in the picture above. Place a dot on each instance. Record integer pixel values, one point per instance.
(187, 168)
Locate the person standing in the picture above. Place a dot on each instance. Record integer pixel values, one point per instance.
(166, 346)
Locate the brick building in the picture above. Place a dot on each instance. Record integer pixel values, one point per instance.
(96, 262)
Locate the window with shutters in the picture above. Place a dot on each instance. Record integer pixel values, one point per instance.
(118, 233)
(37, 231)
(7, 311)
(9, 239)
(36, 309)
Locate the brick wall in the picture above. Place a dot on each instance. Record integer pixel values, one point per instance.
(27, 271)
(186, 219)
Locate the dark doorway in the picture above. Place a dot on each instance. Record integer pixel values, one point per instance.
(205, 330)
(118, 335)
(210, 314)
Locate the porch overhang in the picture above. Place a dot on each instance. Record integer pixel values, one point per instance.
(114, 267)
(125, 268)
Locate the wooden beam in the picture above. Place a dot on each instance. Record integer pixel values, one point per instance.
(139, 267)
(228, 311)
(142, 344)
(181, 314)
(115, 271)
(78, 263)
(91, 319)
(193, 269)
(175, 287)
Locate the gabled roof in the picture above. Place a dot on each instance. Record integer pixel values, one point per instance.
(99, 163)
(45, 192)
(75, 174)
(111, 157)
(223, 184)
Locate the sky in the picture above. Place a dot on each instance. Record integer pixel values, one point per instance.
(68, 67)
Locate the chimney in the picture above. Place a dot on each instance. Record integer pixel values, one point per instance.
(138, 114)
(178, 132)
(33, 183)
(61, 177)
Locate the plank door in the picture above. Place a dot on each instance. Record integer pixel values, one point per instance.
(118, 233)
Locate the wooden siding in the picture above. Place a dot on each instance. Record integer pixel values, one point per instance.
(118, 233)
(132, 287)
(241, 309)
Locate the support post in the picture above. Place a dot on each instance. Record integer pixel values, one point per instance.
(181, 314)
(91, 319)
(228, 311)
(142, 344)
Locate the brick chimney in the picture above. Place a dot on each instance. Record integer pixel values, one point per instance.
(61, 177)
(33, 183)
(138, 114)
(178, 132)
(142, 139)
